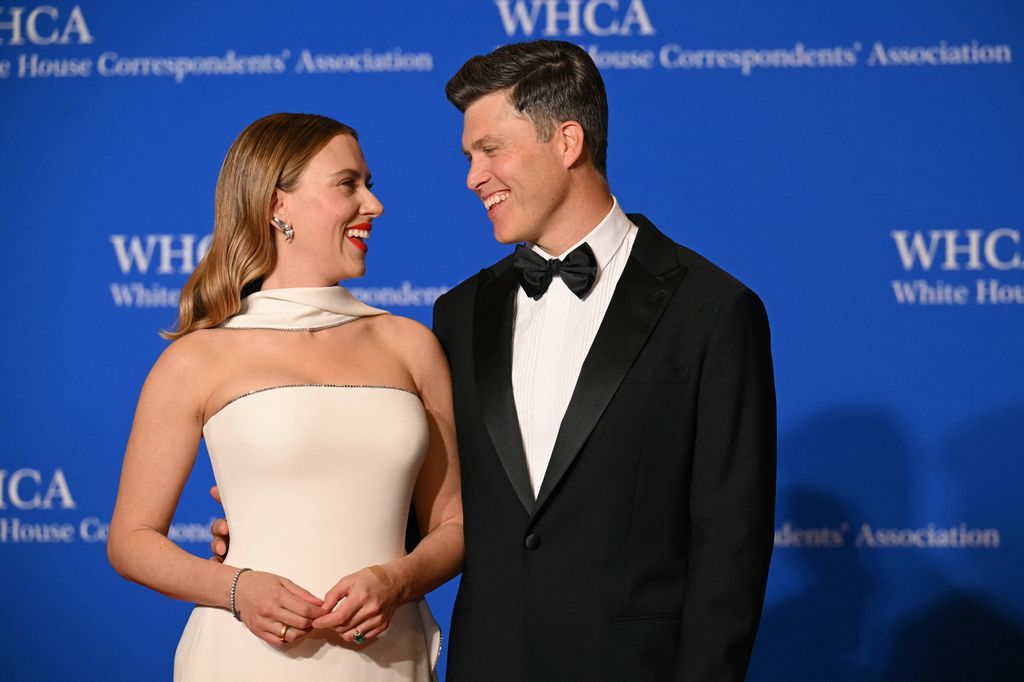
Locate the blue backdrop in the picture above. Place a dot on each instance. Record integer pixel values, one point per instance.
(859, 165)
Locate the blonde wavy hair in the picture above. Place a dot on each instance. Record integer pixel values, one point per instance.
(269, 155)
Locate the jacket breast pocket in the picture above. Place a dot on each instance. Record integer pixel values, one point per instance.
(657, 373)
(642, 649)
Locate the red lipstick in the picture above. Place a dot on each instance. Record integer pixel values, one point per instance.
(356, 241)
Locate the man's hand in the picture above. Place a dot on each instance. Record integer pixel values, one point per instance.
(219, 528)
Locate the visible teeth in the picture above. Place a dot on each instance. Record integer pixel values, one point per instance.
(362, 234)
(496, 198)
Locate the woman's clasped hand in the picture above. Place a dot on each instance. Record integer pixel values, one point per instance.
(266, 603)
(360, 605)
(358, 608)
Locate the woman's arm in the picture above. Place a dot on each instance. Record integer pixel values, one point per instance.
(160, 454)
(437, 496)
(372, 594)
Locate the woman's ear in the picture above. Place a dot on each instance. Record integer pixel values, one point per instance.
(278, 205)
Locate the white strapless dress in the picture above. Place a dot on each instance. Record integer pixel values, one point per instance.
(316, 482)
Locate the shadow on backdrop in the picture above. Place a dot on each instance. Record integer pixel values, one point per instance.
(835, 470)
(816, 633)
(955, 638)
(852, 612)
(971, 631)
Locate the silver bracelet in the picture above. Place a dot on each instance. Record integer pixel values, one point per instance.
(234, 587)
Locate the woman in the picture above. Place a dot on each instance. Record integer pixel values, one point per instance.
(323, 417)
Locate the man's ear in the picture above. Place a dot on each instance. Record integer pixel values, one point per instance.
(571, 136)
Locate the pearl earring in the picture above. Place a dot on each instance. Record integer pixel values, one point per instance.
(285, 228)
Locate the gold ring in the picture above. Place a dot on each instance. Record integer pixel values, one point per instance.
(284, 631)
(360, 637)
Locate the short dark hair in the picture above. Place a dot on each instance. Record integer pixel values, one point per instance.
(551, 81)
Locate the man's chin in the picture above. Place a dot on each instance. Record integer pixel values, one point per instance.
(509, 236)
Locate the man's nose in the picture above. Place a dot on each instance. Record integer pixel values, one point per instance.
(477, 176)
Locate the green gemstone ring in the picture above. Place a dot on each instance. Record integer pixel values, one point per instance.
(359, 638)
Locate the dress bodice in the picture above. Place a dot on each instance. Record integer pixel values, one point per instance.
(297, 465)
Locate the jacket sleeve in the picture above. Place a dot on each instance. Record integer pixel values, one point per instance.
(732, 497)
(442, 320)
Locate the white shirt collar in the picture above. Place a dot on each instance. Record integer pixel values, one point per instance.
(605, 239)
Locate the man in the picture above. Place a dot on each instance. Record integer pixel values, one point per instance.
(615, 409)
(614, 405)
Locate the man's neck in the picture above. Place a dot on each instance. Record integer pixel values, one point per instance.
(577, 216)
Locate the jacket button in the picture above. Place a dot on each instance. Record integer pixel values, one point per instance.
(532, 541)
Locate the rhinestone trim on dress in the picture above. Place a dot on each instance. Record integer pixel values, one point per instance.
(273, 388)
(299, 329)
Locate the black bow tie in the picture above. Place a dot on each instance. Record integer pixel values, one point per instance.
(578, 270)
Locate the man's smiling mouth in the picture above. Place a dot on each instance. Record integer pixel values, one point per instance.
(496, 198)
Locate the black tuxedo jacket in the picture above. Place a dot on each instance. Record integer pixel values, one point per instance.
(645, 555)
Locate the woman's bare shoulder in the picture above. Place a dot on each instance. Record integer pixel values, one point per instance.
(416, 345)
(193, 356)
(405, 334)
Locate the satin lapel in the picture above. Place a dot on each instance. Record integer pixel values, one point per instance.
(492, 358)
(644, 289)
